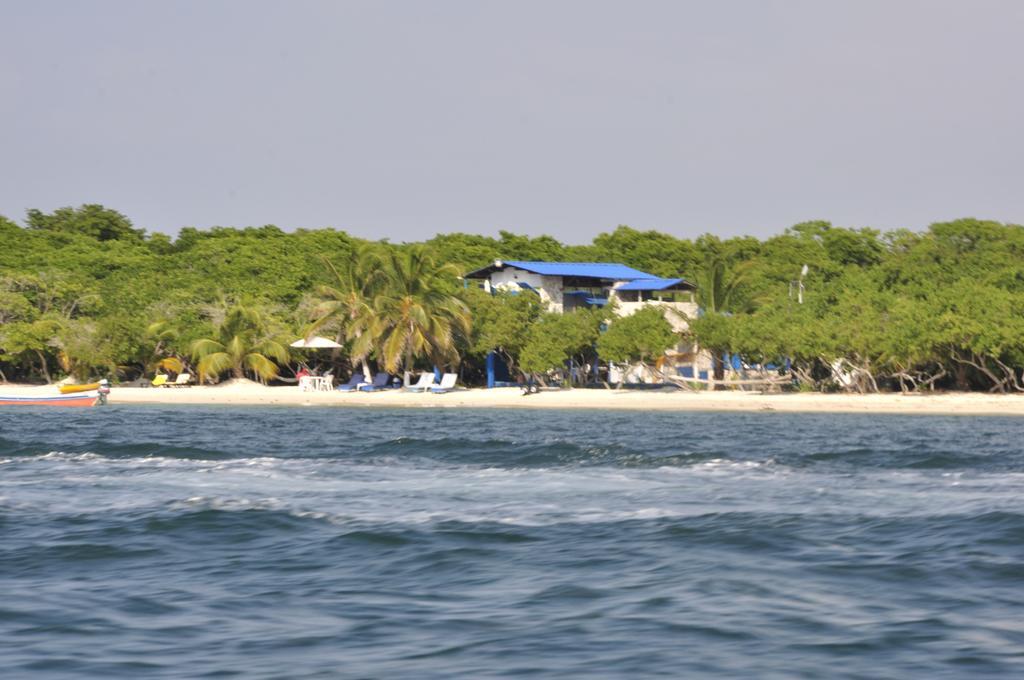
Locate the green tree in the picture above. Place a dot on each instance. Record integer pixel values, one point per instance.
(720, 291)
(650, 251)
(643, 335)
(245, 340)
(346, 307)
(501, 322)
(83, 351)
(25, 342)
(556, 338)
(417, 313)
(92, 220)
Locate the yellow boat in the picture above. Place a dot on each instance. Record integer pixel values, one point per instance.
(71, 389)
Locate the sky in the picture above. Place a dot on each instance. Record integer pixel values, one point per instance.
(406, 119)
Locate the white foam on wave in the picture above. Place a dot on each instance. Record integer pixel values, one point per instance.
(67, 456)
(512, 514)
(722, 465)
(349, 492)
(228, 503)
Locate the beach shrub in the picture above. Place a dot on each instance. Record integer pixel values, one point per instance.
(639, 337)
(502, 323)
(555, 339)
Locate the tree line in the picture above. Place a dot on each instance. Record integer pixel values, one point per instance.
(84, 292)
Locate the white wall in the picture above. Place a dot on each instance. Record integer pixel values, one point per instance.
(549, 287)
(676, 320)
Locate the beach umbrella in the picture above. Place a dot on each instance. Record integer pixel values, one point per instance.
(316, 342)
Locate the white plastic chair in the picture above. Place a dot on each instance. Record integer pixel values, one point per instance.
(447, 383)
(425, 382)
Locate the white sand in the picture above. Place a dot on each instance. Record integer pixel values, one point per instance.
(247, 392)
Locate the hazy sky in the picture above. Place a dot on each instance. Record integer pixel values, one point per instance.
(403, 119)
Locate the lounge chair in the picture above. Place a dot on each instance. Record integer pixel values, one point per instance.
(425, 382)
(380, 382)
(353, 384)
(183, 380)
(159, 381)
(447, 383)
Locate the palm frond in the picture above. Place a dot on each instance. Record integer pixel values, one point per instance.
(205, 346)
(212, 365)
(263, 367)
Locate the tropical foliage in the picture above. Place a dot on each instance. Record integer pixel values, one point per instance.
(81, 289)
(502, 323)
(244, 342)
(640, 337)
(416, 312)
(556, 339)
(346, 305)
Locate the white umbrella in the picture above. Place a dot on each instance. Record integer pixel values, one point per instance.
(316, 342)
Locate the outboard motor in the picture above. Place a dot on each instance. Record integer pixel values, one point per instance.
(103, 390)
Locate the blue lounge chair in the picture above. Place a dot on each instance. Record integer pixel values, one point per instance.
(380, 382)
(352, 384)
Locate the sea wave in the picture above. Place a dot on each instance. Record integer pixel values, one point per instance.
(318, 542)
(532, 454)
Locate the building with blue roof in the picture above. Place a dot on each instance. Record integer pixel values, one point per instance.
(565, 286)
(568, 285)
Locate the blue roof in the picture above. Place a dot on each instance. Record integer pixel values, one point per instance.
(650, 283)
(595, 270)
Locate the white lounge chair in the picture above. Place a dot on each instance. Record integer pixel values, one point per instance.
(183, 380)
(447, 383)
(425, 383)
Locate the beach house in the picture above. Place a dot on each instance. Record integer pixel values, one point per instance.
(565, 286)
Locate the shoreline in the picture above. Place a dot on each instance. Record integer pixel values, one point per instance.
(247, 393)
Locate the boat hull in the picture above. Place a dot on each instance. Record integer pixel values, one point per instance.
(81, 399)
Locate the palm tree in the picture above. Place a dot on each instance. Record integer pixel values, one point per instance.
(162, 335)
(721, 285)
(416, 312)
(719, 292)
(347, 306)
(243, 341)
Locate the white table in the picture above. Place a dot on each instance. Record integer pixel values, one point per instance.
(315, 383)
(321, 383)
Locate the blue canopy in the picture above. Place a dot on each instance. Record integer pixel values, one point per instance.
(587, 297)
(652, 283)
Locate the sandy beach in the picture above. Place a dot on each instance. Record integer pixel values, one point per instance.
(251, 393)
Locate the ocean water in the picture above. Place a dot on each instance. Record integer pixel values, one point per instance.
(202, 542)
